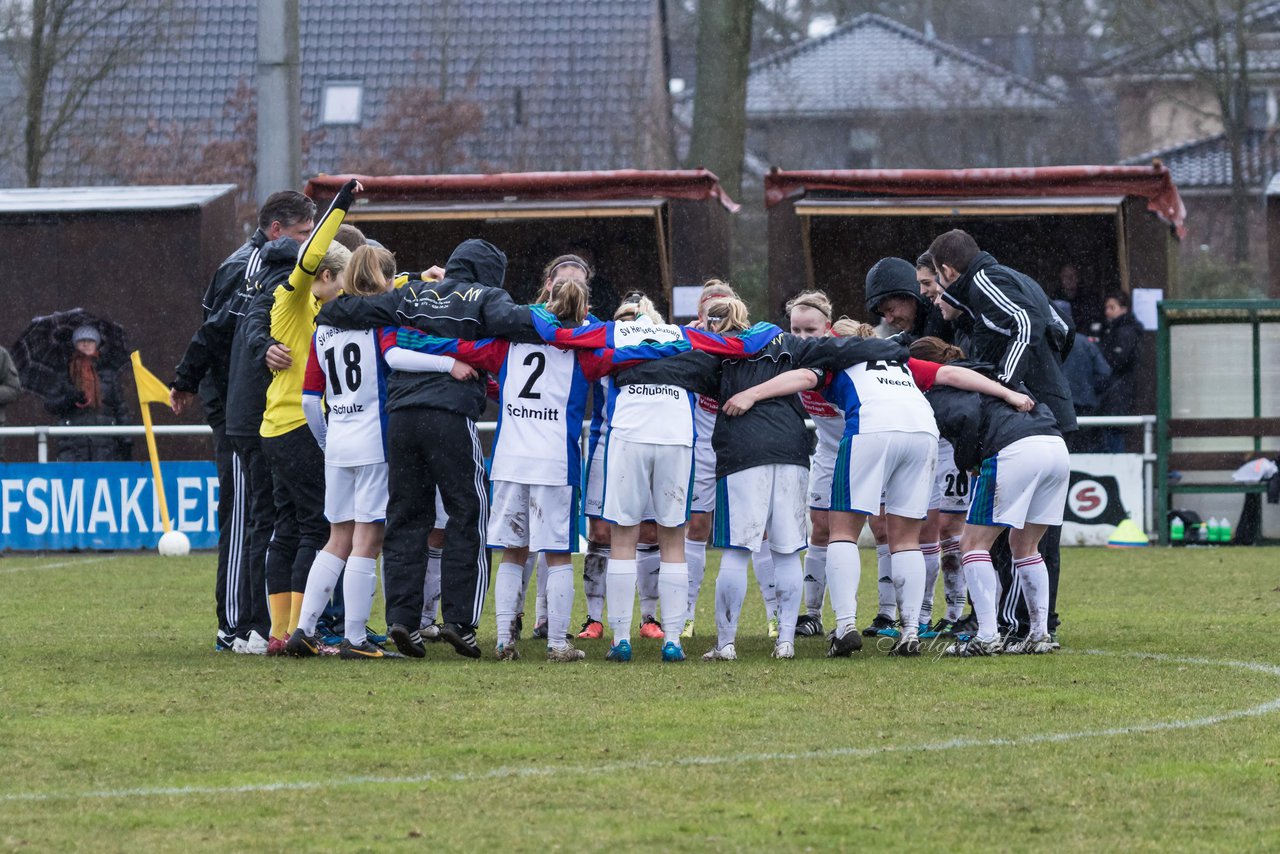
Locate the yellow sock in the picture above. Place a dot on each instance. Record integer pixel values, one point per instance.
(279, 605)
(295, 611)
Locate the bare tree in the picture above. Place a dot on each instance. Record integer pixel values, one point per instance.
(720, 101)
(419, 132)
(60, 51)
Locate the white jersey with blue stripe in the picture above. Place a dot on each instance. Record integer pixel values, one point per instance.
(354, 385)
(649, 414)
(879, 397)
(542, 399)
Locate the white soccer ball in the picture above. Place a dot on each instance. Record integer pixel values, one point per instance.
(174, 544)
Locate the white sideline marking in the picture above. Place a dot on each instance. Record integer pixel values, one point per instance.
(59, 565)
(521, 772)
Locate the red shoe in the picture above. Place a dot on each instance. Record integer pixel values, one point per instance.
(592, 630)
(651, 629)
(276, 646)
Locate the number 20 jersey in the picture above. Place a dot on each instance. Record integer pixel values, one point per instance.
(878, 397)
(346, 366)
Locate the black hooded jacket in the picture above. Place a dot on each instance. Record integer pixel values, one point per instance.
(249, 317)
(890, 277)
(1017, 330)
(468, 304)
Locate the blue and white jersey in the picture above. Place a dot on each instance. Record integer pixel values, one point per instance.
(881, 396)
(346, 367)
(542, 398)
(649, 414)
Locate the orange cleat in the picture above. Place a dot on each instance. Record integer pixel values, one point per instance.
(592, 630)
(651, 629)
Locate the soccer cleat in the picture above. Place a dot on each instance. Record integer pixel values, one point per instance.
(651, 629)
(328, 635)
(842, 646)
(592, 630)
(906, 648)
(430, 633)
(276, 646)
(1041, 645)
(461, 638)
(890, 631)
(620, 651)
(409, 643)
(255, 644)
(728, 652)
(688, 629)
(353, 652)
(506, 652)
(223, 642)
(303, 645)
(773, 627)
(1013, 644)
(540, 630)
(808, 626)
(942, 627)
(968, 625)
(973, 648)
(672, 651)
(786, 649)
(1053, 641)
(565, 654)
(375, 638)
(880, 622)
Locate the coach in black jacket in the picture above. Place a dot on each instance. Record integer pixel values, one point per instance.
(1016, 330)
(432, 442)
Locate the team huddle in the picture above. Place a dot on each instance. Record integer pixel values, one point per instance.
(697, 438)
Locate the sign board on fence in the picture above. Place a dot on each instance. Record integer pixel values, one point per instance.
(54, 506)
(1105, 490)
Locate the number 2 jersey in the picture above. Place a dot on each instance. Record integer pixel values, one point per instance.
(347, 368)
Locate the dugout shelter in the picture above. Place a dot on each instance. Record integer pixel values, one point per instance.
(1273, 237)
(139, 256)
(641, 230)
(1117, 224)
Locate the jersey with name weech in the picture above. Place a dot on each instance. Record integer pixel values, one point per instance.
(346, 366)
(883, 396)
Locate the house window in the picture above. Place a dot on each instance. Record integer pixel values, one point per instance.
(1262, 109)
(861, 153)
(341, 102)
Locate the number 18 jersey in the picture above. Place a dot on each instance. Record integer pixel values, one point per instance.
(346, 366)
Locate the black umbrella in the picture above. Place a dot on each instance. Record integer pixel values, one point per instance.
(42, 354)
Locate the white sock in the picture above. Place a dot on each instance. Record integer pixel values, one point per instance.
(884, 583)
(559, 603)
(1035, 589)
(648, 562)
(321, 580)
(789, 578)
(980, 575)
(540, 599)
(908, 581)
(695, 555)
(762, 565)
(673, 596)
(594, 566)
(431, 587)
(506, 599)
(620, 595)
(932, 560)
(815, 580)
(731, 590)
(844, 571)
(358, 586)
(952, 578)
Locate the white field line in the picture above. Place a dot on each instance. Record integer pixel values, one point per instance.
(59, 565)
(537, 771)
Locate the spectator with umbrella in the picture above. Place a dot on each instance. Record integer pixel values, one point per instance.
(73, 359)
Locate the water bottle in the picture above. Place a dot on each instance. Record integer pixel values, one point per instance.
(1224, 530)
(1202, 534)
(1214, 528)
(1177, 530)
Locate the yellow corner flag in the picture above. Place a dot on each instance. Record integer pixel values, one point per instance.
(151, 390)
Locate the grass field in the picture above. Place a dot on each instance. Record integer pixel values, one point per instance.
(1156, 728)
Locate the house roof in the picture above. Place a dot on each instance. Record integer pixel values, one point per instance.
(82, 199)
(875, 63)
(1175, 55)
(562, 84)
(1206, 163)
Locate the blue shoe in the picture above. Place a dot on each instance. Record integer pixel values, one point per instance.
(890, 631)
(942, 626)
(671, 651)
(374, 637)
(328, 636)
(620, 651)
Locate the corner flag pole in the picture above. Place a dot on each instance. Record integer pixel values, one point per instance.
(151, 390)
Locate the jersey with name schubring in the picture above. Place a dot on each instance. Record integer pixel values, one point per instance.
(346, 366)
(649, 414)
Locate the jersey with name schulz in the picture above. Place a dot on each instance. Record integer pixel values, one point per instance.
(881, 396)
(346, 366)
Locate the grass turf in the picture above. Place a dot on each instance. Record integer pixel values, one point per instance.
(121, 728)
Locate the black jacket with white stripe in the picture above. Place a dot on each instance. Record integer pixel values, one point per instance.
(1017, 330)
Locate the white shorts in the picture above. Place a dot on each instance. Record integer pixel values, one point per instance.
(1024, 483)
(821, 467)
(643, 481)
(894, 468)
(534, 515)
(442, 517)
(704, 479)
(355, 493)
(950, 485)
(593, 491)
(763, 499)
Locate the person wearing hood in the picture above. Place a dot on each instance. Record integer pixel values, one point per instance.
(1121, 346)
(893, 293)
(432, 441)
